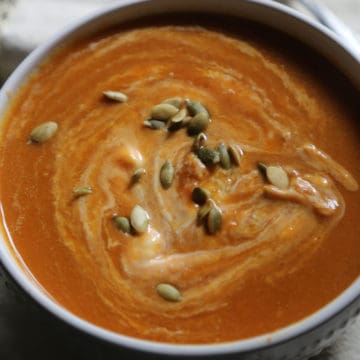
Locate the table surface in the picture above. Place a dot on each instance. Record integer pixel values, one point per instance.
(25, 331)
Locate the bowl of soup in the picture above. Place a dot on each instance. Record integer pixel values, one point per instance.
(182, 178)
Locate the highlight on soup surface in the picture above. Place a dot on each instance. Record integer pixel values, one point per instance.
(185, 183)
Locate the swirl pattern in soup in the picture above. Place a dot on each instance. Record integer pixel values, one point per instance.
(281, 253)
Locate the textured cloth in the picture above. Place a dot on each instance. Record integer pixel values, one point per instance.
(25, 332)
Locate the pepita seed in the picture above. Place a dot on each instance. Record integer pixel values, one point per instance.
(235, 153)
(208, 156)
(176, 122)
(199, 142)
(167, 175)
(199, 195)
(139, 219)
(115, 95)
(82, 190)
(201, 139)
(43, 132)
(154, 124)
(196, 107)
(277, 177)
(137, 175)
(225, 160)
(175, 101)
(203, 212)
(214, 220)
(179, 117)
(163, 112)
(122, 223)
(169, 292)
(198, 123)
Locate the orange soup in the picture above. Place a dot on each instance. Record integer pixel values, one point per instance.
(184, 183)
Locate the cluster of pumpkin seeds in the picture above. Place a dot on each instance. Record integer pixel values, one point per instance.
(173, 114)
(225, 156)
(137, 223)
(209, 213)
(176, 113)
(275, 175)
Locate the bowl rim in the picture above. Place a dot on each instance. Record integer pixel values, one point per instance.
(10, 258)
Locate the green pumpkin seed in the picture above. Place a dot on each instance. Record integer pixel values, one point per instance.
(196, 107)
(82, 190)
(122, 223)
(203, 213)
(204, 210)
(199, 195)
(115, 95)
(43, 132)
(198, 123)
(167, 175)
(169, 292)
(235, 153)
(163, 112)
(179, 117)
(214, 220)
(154, 124)
(277, 177)
(137, 175)
(199, 142)
(175, 101)
(208, 156)
(225, 160)
(139, 219)
(176, 122)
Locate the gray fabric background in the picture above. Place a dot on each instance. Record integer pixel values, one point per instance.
(25, 331)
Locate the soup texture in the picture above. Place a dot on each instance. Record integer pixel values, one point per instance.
(227, 213)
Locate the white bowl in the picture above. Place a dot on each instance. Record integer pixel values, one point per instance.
(298, 341)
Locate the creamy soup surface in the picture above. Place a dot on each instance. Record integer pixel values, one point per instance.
(272, 253)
